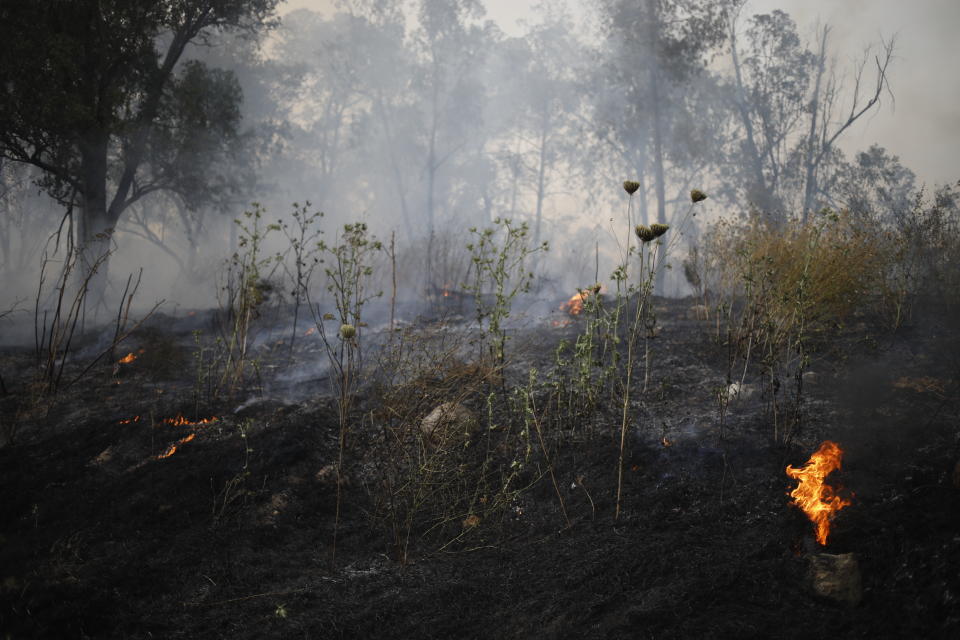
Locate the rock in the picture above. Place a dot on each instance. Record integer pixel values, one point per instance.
(836, 577)
(451, 421)
(810, 378)
(736, 391)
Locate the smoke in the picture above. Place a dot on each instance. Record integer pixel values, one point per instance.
(430, 124)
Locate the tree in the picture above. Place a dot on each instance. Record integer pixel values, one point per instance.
(655, 51)
(536, 95)
(93, 93)
(787, 100)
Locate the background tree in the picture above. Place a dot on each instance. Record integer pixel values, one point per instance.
(94, 94)
(786, 98)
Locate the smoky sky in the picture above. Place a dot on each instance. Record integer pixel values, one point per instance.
(921, 124)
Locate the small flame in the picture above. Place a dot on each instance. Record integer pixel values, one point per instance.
(574, 306)
(127, 359)
(129, 420)
(172, 449)
(666, 442)
(812, 494)
(447, 290)
(180, 421)
(310, 331)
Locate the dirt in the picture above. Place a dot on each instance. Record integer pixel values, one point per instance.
(232, 534)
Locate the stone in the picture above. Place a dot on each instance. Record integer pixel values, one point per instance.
(836, 577)
(736, 391)
(450, 421)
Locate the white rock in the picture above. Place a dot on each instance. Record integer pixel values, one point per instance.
(449, 421)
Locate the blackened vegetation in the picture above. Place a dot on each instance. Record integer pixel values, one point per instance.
(229, 536)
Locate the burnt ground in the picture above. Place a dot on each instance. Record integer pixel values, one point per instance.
(231, 536)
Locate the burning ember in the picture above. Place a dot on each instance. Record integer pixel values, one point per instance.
(172, 449)
(127, 359)
(813, 495)
(180, 421)
(129, 420)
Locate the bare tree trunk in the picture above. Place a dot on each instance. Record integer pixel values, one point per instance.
(761, 192)
(658, 178)
(811, 158)
(95, 227)
(541, 189)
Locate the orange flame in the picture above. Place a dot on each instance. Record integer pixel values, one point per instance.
(310, 331)
(129, 420)
(813, 495)
(127, 359)
(172, 449)
(574, 306)
(180, 421)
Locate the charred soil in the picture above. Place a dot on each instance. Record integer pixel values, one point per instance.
(105, 532)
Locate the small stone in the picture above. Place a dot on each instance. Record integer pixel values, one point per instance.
(836, 577)
(448, 421)
(736, 391)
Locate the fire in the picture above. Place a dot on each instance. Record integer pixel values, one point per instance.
(446, 290)
(310, 331)
(130, 357)
(172, 449)
(180, 421)
(813, 495)
(129, 420)
(574, 306)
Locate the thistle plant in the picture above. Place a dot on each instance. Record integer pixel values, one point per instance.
(304, 248)
(498, 257)
(244, 293)
(349, 269)
(652, 251)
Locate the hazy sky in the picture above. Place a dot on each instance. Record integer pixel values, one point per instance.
(922, 127)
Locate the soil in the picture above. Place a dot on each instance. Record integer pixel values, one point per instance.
(103, 535)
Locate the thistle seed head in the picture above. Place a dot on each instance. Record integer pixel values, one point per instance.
(347, 331)
(631, 186)
(659, 229)
(696, 195)
(644, 233)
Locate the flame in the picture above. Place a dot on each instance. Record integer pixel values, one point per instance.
(816, 498)
(129, 420)
(574, 306)
(127, 359)
(172, 449)
(180, 421)
(446, 290)
(310, 331)
(666, 442)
